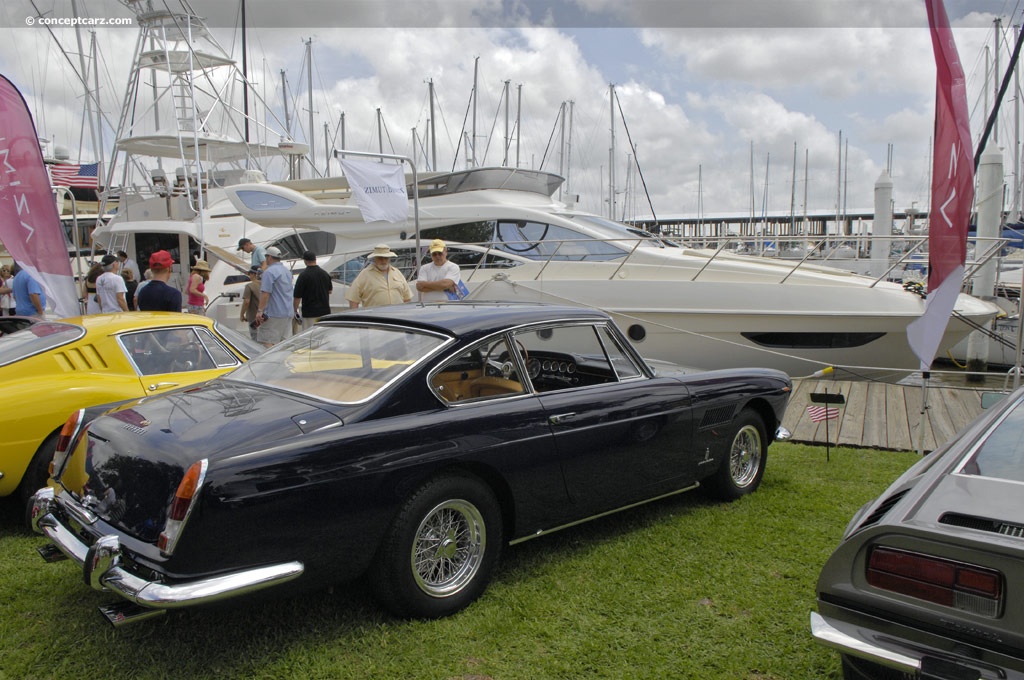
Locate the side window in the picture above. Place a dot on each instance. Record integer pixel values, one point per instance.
(562, 357)
(623, 364)
(171, 350)
(488, 370)
(348, 272)
(218, 353)
(539, 241)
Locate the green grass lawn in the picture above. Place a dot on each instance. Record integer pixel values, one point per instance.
(683, 588)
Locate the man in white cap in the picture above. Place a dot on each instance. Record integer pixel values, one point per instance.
(439, 280)
(379, 283)
(110, 286)
(274, 316)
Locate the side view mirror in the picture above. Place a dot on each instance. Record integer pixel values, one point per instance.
(990, 399)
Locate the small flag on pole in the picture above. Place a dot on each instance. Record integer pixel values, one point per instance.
(378, 189)
(820, 413)
(84, 176)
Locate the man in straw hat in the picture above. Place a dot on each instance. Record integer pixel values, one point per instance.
(379, 283)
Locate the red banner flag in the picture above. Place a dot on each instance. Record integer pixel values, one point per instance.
(29, 223)
(952, 191)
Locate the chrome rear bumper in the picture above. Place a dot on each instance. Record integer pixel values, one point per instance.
(917, 659)
(101, 564)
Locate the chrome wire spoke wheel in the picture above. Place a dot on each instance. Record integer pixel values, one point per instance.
(448, 548)
(745, 456)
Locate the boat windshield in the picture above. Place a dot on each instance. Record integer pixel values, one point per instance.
(36, 339)
(616, 230)
(344, 363)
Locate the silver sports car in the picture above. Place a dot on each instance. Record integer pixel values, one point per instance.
(924, 583)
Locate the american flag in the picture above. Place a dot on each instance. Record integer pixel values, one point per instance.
(84, 176)
(820, 413)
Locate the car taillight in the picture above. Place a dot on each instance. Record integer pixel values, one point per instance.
(947, 582)
(65, 442)
(181, 507)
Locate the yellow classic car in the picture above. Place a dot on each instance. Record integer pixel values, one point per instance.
(53, 368)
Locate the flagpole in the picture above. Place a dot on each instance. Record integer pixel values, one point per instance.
(925, 375)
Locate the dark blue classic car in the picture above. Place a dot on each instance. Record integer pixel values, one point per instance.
(413, 442)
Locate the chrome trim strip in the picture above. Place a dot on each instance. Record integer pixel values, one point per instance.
(545, 532)
(856, 641)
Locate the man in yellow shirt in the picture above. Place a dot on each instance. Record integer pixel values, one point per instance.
(379, 283)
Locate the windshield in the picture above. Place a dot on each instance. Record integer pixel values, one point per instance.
(342, 363)
(610, 229)
(37, 338)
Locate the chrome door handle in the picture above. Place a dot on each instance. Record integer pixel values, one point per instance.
(561, 418)
(161, 385)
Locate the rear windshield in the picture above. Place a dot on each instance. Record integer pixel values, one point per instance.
(1001, 453)
(37, 338)
(340, 362)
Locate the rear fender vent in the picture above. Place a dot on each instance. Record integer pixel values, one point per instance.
(882, 510)
(715, 417)
(991, 525)
(82, 358)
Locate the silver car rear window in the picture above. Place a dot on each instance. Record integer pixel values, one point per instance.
(1001, 452)
(37, 338)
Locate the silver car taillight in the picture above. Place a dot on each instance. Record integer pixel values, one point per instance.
(963, 586)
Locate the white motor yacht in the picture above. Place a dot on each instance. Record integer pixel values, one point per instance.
(703, 308)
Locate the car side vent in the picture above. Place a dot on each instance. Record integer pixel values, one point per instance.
(83, 358)
(980, 524)
(714, 417)
(882, 510)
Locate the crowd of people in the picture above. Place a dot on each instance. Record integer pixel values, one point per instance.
(274, 305)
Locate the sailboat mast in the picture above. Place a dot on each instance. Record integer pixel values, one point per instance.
(519, 113)
(611, 152)
(792, 197)
(309, 94)
(568, 152)
(476, 70)
(245, 79)
(433, 127)
(508, 139)
(89, 94)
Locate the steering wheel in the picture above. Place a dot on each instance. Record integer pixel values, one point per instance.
(527, 245)
(187, 357)
(503, 368)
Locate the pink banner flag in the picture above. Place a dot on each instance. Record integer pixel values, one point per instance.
(952, 191)
(29, 223)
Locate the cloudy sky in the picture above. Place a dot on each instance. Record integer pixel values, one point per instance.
(715, 97)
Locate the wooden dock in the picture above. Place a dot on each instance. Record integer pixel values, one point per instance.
(881, 415)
